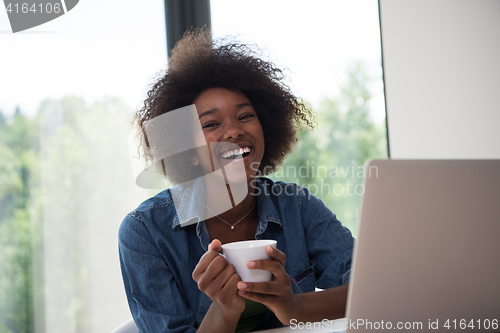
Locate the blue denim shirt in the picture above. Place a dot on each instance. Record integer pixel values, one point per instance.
(158, 256)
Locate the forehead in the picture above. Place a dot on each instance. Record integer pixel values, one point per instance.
(218, 98)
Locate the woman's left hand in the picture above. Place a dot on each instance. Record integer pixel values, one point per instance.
(277, 294)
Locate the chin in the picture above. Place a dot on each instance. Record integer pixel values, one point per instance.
(236, 178)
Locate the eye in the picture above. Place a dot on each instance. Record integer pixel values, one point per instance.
(247, 116)
(209, 125)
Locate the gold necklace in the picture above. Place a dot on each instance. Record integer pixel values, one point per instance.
(229, 224)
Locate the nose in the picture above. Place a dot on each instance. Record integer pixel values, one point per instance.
(232, 131)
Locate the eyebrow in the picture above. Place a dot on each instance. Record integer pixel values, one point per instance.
(239, 106)
(206, 113)
(213, 110)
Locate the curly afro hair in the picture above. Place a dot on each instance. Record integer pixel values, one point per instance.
(197, 63)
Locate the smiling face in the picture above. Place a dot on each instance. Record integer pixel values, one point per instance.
(228, 119)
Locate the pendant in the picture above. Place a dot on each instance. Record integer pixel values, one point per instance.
(232, 227)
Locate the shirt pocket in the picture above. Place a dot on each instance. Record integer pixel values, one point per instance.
(305, 280)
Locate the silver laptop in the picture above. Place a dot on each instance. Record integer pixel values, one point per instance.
(427, 257)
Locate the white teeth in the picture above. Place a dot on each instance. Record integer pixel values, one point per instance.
(236, 151)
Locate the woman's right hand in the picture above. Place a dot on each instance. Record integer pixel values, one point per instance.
(218, 280)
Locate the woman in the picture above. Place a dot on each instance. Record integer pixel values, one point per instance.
(174, 277)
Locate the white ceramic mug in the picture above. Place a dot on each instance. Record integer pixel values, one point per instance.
(239, 253)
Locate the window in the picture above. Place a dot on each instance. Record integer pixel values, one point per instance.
(333, 55)
(68, 87)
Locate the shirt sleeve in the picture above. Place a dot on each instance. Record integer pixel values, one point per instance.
(153, 295)
(330, 245)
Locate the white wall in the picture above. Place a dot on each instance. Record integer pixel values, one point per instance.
(442, 77)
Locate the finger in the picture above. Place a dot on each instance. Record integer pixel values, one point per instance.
(264, 288)
(272, 265)
(231, 284)
(267, 300)
(216, 266)
(276, 254)
(225, 276)
(206, 279)
(213, 252)
(229, 291)
(226, 281)
(203, 264)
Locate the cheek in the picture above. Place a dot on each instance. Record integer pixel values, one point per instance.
(202, 157)
(211, 136)
(262, 141)
(259, 132)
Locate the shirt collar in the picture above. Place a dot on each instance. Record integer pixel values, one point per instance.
(189, 201)
(265, 206)
(189, 197)
(267, 210)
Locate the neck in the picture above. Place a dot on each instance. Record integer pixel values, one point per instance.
(218, 202)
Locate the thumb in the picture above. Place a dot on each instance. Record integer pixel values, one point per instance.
(215, 245)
